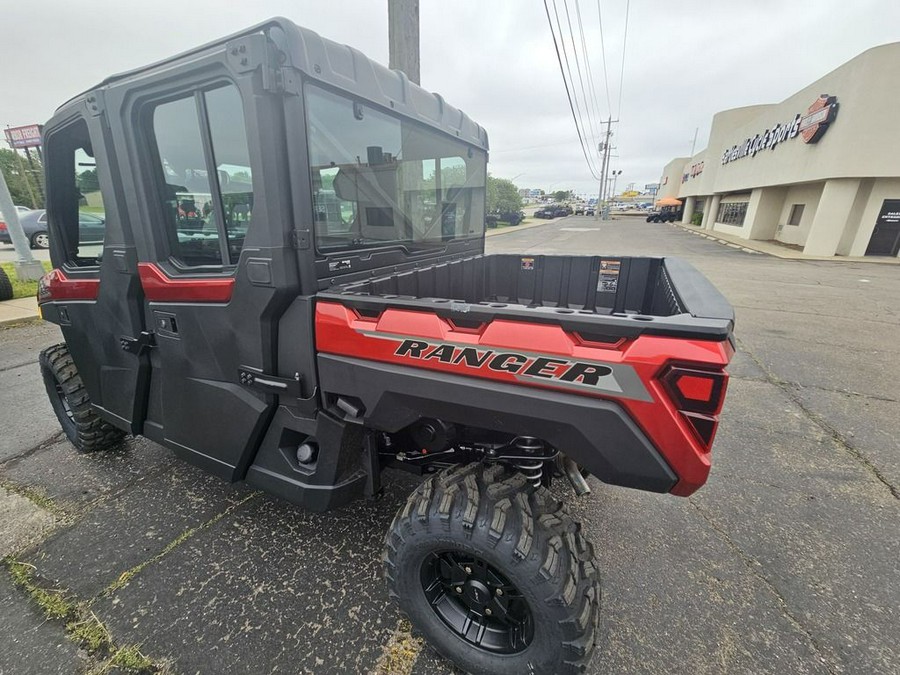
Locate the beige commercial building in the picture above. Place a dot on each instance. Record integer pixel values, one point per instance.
(819, 171)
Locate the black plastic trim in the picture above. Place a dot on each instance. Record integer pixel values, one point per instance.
(597, 434)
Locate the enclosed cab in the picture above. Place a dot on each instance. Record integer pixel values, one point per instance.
(292, 291)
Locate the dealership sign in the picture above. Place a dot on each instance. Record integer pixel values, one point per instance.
(693, 172)
(810, 127)
(23, 137)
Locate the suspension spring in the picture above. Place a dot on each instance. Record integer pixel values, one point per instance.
(532, 469)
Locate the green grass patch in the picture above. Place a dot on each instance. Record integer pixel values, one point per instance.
(130, 658)
(52, 602)
(89, 633)
(22, 289)
(82, 625)
(35, 495)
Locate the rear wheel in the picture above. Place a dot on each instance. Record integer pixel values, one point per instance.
(494, 573)
(87, 431)
(6, 289)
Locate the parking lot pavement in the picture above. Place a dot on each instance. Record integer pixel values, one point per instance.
(8, 253)
(787, 561)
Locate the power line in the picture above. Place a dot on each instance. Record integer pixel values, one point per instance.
(603, 54)
(571, 80)
(584, 92)
(562, 72)
(622, 74)
(590, 74)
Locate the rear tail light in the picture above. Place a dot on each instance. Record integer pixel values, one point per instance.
(57, 286)
(698, 395)
(2, 226)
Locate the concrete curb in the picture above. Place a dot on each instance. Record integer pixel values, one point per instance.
(705, 235)
(777, 251)
(18, 311)
(520, 228)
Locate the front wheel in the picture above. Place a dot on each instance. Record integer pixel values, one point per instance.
(494, 573)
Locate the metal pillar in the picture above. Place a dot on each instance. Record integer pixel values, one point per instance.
(27, 268)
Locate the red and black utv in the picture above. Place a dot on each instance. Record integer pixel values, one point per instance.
(293, 292)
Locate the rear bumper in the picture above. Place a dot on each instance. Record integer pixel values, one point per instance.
(598, 434)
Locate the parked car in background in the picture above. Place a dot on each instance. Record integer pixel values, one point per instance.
(546, 212)
(511, 217)
(553, 211)
(91, 228)
(667, 214)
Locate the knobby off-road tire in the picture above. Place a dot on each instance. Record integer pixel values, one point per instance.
(474, 529)
(81, 424)
(6, 289)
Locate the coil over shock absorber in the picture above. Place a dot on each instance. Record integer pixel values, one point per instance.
(532, 469)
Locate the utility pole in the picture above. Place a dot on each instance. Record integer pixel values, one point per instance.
(605, 148)
(27, 268)
(403, 37)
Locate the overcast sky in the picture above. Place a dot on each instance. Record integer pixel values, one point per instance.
(493, 59)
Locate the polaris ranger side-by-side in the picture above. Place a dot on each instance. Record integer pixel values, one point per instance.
(293, 292)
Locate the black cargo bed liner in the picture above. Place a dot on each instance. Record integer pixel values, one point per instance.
(609, 296)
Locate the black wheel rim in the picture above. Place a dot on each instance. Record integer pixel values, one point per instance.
(477, 602)
(64, 402)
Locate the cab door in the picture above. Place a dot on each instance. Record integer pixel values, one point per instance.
(216, 268)
(95, 295)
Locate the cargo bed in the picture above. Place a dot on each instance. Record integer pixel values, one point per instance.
(605, 296)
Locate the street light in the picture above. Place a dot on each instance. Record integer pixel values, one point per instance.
(609, 193)
(615, 175)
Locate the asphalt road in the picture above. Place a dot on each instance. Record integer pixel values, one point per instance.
(787, 561)
(8, 253)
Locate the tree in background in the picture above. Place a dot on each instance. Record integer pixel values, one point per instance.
(502, 195)
(562, 195)
(87, 181)
(16, 180)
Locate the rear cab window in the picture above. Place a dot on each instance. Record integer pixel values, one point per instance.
(382, 180)
(205, 190)
(75, 198)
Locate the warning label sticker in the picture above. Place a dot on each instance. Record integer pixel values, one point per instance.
(609, 276)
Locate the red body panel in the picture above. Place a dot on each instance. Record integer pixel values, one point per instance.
(161, 288)
(57, 286)
(341, 331)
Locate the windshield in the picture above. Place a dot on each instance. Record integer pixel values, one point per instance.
(379, 180)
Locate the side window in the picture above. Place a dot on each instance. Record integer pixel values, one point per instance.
(75, 199)
(206, 181)
(232, 162)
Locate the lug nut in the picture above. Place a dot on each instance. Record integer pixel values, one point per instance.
(458, 589)
(499, 591)
(468, 570)
(487, 610)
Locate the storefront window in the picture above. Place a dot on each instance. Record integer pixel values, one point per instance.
(732, 213)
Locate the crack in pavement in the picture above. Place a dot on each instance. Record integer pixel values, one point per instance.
(752, 564)
(790, 390)
(130, 573)
(47, 442)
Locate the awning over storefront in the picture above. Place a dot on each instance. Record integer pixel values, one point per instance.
(669, 201)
